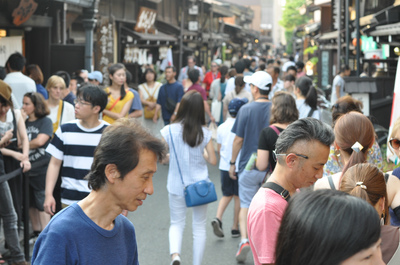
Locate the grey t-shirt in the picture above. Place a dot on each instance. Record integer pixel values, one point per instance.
(250, 120)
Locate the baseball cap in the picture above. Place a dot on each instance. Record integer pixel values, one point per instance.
(235, 105)
(5, 92)
(96, 75)
(260, 79)
(218, 61)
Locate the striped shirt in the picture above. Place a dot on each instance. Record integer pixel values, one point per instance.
(75, 145)
(191, 161)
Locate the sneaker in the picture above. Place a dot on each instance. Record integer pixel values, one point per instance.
(244, 248)
(176, 261)
(217, 226)
(235, 233)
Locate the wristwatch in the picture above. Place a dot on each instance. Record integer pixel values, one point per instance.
(175, 113)
(232, 163)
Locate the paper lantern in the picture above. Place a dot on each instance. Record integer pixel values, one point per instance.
(355, 42)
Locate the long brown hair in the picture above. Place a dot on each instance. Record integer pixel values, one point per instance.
(191, 115)
(239, 83)
(350, 128)
(371, 185)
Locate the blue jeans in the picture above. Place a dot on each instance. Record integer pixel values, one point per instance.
(9, 216)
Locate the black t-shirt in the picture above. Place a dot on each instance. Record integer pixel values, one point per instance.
(33, 129)
(267, 142)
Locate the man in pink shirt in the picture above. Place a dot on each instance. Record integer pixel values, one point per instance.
(302, 150)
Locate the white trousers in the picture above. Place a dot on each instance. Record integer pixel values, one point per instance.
(177, 208)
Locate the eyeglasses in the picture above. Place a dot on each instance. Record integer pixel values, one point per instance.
(214, 65)
(274, 154)
(395, 143)
(81, 102)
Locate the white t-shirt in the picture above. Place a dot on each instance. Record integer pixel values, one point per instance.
(145, 90)
(8, 124)
(20, 85)
(191, 161)
(230, 85)
(279, 86)
(304, 109)
(337, 81)
(225, 138)
(68, 113)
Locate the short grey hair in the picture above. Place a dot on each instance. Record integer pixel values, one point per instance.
(307, 129)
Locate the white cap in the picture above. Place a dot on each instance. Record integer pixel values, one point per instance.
(260, 79)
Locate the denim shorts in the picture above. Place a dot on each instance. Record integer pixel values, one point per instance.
(229, 186)
(249, 183)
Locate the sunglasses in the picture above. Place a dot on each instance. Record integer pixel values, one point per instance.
(395, 143)
(274, 155)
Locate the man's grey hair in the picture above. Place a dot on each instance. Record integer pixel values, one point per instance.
(307, 129)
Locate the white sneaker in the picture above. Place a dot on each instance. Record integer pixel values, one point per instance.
(176, 261)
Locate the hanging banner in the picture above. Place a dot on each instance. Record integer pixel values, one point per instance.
(9, 45)
(105, 51)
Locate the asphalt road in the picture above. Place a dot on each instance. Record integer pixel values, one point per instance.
(151, 222)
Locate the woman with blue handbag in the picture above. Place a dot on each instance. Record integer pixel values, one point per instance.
(188, 185)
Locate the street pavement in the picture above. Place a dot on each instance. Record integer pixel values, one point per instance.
(151, 222)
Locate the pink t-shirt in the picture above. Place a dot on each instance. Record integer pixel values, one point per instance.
(263, 222)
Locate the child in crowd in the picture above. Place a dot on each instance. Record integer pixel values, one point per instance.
(229, 186)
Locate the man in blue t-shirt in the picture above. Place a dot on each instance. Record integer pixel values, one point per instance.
(250, 120)
(93, 231)
(169, 97)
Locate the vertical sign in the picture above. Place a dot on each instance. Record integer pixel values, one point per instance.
(105, 50)
(325, 69)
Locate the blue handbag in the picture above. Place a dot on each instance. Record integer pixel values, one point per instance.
(198, 193)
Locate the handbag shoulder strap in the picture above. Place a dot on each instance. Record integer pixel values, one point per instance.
(166, 90)
(278, 189)
(273, 127)
(311, 112)
(147, 91)
(176, 157)
(331, 184)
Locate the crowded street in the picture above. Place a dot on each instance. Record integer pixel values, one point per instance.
(199, 132)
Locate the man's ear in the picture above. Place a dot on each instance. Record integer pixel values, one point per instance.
(96, 109)
(291, 160)
(111, 173)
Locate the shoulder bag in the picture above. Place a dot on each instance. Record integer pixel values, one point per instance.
(149, 113)
(170, 104)
(199, 193)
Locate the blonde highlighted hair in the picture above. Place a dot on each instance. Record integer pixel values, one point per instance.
(55, 80)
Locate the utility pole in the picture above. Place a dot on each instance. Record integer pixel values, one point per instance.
(358, 36)
(181, 34)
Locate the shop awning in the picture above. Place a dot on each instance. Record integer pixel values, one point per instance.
(82, 3)
(215, 36)
(158, 36)
(386, 30)
(233, 26)
(329, 35)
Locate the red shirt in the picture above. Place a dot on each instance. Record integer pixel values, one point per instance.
(199, 89)
(209, 78)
